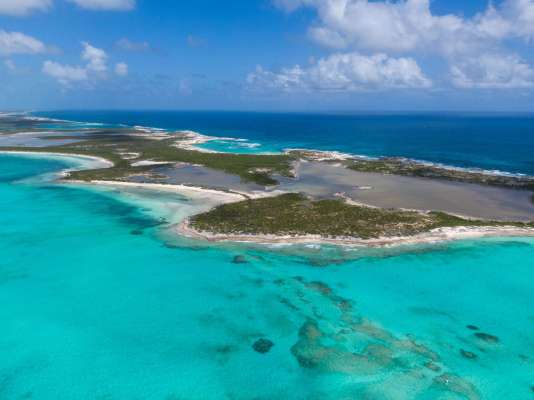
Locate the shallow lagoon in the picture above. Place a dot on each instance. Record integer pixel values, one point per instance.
(100, 302)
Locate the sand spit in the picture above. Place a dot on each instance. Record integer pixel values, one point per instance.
(89, 162)
(180, 189)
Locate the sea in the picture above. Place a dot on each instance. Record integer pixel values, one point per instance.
(100, 300)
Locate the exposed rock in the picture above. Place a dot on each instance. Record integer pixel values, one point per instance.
(262, 345)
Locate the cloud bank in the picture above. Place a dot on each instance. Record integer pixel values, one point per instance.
(476, 49)
(345, 72)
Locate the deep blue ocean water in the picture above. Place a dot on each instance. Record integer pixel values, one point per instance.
(502, 142)
(100, 302)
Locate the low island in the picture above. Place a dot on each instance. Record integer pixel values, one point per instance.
(298, 195)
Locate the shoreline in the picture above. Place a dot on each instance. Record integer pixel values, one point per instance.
(440, 235)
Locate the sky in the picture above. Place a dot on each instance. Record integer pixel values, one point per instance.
(301, 55)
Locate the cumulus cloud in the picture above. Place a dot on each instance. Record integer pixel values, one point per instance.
(65, 74)
(95, 67)
(19, 43)
(111, 5)
(96, 58)
(345, 72)
(121, 69)
(23, 7)
(493, 71)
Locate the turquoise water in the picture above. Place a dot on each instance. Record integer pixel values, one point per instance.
(98, 302)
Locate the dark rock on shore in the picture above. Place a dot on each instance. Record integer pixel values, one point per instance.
(262, 345)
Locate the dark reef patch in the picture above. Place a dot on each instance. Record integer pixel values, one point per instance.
(263, 345)
(240, 260)
(486, 337)
(467, 354)
(320, 287)
(473, 327)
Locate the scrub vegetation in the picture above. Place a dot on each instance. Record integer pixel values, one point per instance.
(295, 215)
(399, 166)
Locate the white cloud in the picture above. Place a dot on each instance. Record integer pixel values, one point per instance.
(345, 72)
(19, 43)
(111, 5)
(410, 25)
(65, 74)
(493, 71)
(95, 68)
(96, 58)
(520, 13)
(468, 45)
(121, 69)
(127, 45)
(23, 7)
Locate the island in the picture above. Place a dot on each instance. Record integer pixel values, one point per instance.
(299, 195)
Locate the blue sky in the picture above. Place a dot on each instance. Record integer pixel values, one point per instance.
(267, 54)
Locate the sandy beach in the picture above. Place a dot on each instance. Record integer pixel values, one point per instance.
(87, 162)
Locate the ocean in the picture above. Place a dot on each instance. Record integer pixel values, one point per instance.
(502, 142)
(101, 301)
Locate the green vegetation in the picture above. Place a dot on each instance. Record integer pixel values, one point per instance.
(294, 214)
(251, 168)
(398, 166)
